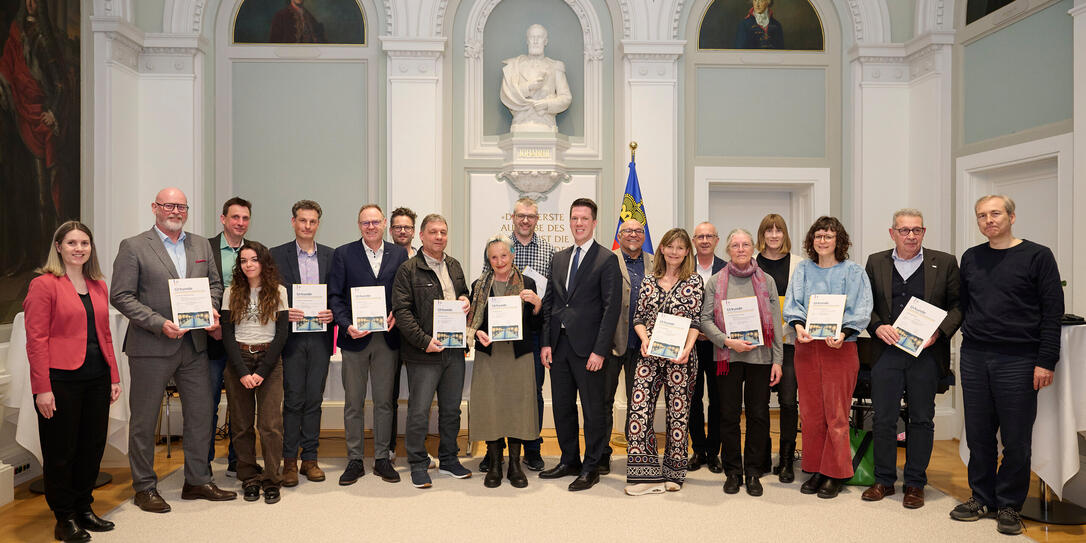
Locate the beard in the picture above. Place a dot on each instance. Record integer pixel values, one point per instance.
(173, 225)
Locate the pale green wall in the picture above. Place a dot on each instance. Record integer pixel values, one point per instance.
(504, 37)
(300, 132)
(761, 112)
(902, 19)
(148, 14)
(1019, 77)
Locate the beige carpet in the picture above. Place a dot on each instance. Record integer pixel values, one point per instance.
(463, 510)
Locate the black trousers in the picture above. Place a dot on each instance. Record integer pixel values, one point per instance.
(744, 385)
(788, 403)
(568, 378)
(72, 443)
(305, 372)
(704, 441)
(895, 375)
(612, 366)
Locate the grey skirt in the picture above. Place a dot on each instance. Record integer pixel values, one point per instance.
(503, 395)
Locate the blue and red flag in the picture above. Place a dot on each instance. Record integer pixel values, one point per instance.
(633, 208)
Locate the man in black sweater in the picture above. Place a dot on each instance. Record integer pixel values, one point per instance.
(1012, 302)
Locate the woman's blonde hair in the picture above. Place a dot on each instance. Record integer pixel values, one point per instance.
(54, 264)
(659, 264)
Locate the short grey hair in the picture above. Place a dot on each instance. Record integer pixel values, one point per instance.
(906, 212)
(1008, 204)
(499, 238)
(736, 232)
(526, 202)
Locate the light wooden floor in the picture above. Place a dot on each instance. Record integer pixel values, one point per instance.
(29, 520)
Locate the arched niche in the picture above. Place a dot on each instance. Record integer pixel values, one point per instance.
(478, 143)
(732, 24)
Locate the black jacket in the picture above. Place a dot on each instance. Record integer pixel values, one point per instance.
(286, 259)
(591, 310)
(532, 323)
(413, 293)
(351, 268)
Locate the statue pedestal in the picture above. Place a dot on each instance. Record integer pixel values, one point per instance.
(533, 162)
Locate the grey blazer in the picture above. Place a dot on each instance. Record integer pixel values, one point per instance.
(140, 290)
(622, 331)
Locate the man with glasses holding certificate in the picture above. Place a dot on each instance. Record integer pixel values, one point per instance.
(898, 275)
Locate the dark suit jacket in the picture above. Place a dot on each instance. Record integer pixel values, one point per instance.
(141, 290)
(286, 259)
(351, 268)
(590, 311)
(941, 283)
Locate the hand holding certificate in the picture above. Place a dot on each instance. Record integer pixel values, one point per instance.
(668, 336)
(540, 281)
(311, 299)
(824, 315)
(450, 324)
(368, 309)
(504, 318)
(917, 322)
(742, 320)
(190, 300)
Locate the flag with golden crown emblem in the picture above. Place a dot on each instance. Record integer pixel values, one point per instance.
(633, 208)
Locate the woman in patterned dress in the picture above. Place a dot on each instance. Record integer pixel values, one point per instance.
(745, 369)
(673, 287)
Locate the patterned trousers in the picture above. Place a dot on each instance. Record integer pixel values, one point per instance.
(677, 381)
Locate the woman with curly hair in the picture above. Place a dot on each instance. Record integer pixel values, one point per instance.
(254, 330)
(826, 368)
(675, 288)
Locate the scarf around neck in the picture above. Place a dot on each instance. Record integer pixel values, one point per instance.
(761, 292)
(482, 293)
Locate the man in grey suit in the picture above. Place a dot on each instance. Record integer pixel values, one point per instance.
(897, 275)
(633, 263)
(159, 350)
(305, 356)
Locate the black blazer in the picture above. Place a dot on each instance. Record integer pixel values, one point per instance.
(286, 259)
(351, 268)
(531, 323)
(215, 349)
(941, 285)
(590, 311)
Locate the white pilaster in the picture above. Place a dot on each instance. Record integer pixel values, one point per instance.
(1078, 302)
(414, 131)
(652, 120)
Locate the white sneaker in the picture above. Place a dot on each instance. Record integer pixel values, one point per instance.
(641, 489)
(433, 463)
(672, 486)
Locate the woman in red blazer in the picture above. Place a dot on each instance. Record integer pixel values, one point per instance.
(73, 375)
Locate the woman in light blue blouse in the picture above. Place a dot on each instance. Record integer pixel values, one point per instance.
(826, 368)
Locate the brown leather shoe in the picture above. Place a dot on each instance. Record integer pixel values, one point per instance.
(207, 491)
(312, 471)
(290, 472)
(150, 501)
(914, 497)
(877, 492)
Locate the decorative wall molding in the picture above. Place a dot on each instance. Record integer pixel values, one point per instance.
(933, 15)
(413, 57)
(183, 16)
(122, 9)
(480, 145)
(653, 60)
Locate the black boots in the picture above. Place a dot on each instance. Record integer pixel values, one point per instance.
(493, 477)
(785, 472)
(516, 474)
(813, 484)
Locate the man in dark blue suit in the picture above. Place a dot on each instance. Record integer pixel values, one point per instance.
(305, 356)
(581, 310)
(371, 356)
(706, 443)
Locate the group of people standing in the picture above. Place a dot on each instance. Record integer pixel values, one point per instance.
(593, 323)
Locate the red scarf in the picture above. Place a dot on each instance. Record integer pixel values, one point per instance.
(761, 292)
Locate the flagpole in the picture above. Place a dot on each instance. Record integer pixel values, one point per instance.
(620, 440)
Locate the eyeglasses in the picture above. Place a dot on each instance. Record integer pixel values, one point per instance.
(369, 224)
(523, 217)
(402, 228)
(916, 231)
(171, 207)
(825, 237)
(700, 237)
(632, 232)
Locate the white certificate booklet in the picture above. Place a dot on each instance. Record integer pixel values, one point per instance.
(668, 335)
(503, 315)
(916, 323)
(540, 281)
(824, 315)
(742, 321)
(368, 310)
(450, 323)
(311, 299)
(191, 303)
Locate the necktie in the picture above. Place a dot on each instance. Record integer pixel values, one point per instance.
(573, 268)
